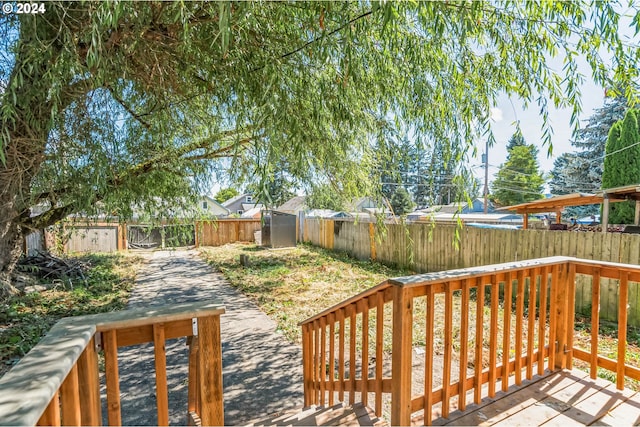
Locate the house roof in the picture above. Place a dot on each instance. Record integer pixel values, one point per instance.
(253, 212)
(356, 203)
(455, 207)
(235, 199)
(294, 204)
(326, 213)
(247, 206)
(215, 202)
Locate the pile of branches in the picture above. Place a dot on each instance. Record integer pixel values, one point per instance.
(46, 266)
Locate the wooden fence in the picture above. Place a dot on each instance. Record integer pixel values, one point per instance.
(111, 237)
(425, 248)
(223, 231)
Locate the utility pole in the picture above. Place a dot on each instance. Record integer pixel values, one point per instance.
(486, 176)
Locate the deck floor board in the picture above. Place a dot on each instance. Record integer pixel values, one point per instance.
(560, 398)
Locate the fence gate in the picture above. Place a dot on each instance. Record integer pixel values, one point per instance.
(93, 239)
(147, 237)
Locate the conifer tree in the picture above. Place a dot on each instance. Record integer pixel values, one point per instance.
(622, 164)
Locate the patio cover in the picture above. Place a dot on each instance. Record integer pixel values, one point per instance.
(558, 203)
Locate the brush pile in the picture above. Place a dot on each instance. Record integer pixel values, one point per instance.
(46, 266)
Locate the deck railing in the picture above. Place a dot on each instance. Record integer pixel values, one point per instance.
(57, 382)
(482, 329)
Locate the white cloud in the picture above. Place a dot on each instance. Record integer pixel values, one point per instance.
(496, 114)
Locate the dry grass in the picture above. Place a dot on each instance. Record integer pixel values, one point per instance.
(291, 285)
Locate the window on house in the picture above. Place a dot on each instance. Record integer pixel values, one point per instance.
(205, 205)
(240, 211)
(248, 199)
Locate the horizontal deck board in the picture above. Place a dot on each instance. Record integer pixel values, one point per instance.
(559, 399)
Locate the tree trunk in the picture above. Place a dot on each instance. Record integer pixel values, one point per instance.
(10, 250)
(26, 121)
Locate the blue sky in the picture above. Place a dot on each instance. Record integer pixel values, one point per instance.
(509, 111)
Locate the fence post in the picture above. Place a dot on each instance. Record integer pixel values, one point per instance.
(372, 240)
(401, 356)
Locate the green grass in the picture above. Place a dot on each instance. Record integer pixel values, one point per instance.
(25, 319)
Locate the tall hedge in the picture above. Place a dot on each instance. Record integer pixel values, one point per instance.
(622, 164)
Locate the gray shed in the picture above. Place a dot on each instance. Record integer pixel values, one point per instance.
(278, 229)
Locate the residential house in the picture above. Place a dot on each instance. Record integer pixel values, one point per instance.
(326, 213)
(211, 207)
(477, 206)
(254, 213)
(293, 205)
(240, 204)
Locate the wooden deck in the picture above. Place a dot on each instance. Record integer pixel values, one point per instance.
(336, 415)
(561, 398)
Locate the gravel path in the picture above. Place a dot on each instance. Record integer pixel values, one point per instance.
(262, 371)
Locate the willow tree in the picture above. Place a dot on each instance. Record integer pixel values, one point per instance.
(109, 105)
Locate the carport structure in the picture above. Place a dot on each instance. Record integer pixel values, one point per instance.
(558, 203)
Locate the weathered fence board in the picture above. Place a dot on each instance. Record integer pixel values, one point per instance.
(223, 231)
(93, 239)
(425, 248)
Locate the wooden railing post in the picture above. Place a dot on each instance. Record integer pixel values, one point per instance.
(401, 356)
(89, 383)
(307, 365)
(561, 311)
(210, 371)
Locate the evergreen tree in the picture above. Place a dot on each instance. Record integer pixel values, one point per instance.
(519, 179)
(401, 202)
(581, 172)
(225, 194)
(516, 140)
(622, 164)
(325, 196)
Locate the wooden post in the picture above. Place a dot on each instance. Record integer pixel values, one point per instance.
(330, 228)
(110, 343)
(525, 221)
(595, 322)
(51, 415)
(89, 384)
(401, 356)
(162, 393)
(372, 240)
(558, 217)
(560, 312)
(70, 399)
(192, 391)
(571, 313)
(622, 328)
(605, 213)
(636, 220)
(306, 366)
(210, 371)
